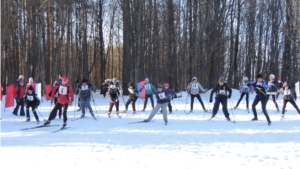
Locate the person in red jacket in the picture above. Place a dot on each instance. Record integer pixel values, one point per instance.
(65, 97)
(19, 93)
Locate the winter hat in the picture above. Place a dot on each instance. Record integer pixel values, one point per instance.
(131, 84)
(84, 80)
(30, 79)
(194, 78)
(279, 79)
(166, 84)
(246, 78)
(30, 88)
(272, 75)
(65, 79)
(21, 77)
(159, 86)
(259, 76)
(147, 79)
(221, 79)
(114, 79)
(285, 84)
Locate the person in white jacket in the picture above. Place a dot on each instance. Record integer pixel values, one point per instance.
(194, 90)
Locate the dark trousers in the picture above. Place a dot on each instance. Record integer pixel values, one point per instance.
(133, 100)
(263, 100)
(57, 107)
(292, 102)
(223, 101)
(111, 105)
(241, 97)
(146, 100)
(59, 110)
(274, 101)
(199, 98)
(32, 106)
(19, 103)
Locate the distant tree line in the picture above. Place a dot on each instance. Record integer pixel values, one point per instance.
(164, 40)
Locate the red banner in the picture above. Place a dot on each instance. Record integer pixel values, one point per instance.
(9, 102)
(48, 89)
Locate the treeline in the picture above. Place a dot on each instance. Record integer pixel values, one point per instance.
(165, 40)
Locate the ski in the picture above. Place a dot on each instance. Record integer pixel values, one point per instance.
(77, 119)
(41, 126)
(29, 122)
(63, 128)
(135, 122)
(109, 115)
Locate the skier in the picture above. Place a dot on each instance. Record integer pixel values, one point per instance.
(272, 90)
(223, 91)
(163, 99)
(245, 89)
(65, 97)
(150, 89)
(261, 96)
(113, 90)
(289, 95)
(167, 87)
(194, 90)
(19, 92)
(30, 83)
(85, 93)
(133, 96)
(104, 88)
(32, 101)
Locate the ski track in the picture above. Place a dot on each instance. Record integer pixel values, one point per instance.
(188, 141)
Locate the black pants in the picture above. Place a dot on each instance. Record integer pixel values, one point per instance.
(146, 100)
(241, 97)
(116, 103)
(19, 103)
(57, 107)
(199, 98)
(133, 100)
(59, 110)
(223, 101)
(263, 100)
(32, 106)
(274, 101)
(292, 102)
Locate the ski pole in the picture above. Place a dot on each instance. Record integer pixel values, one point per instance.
(40, 114)
(95, 105)
(207, 106)
(186, 102)
(232, 108)
(174, 104)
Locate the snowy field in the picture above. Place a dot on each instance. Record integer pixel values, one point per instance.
(188, 141)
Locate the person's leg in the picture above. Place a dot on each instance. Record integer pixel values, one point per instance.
(192, 101)
(15, 112)
(170, 107)
(65, 117)
(200, 100)
(255, 102)
(82, 106)
(133, 103)
(154, 111)
(145, 102)
(241, 97)
(225, 110)
(27, 111)
(283, 106)
(247, 100)
(164, 110)
(216, 106)
(295, 105)
(22, 112)
(152, 102)
(264, 101)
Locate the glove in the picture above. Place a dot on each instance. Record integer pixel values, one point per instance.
(210, 100)
(175, 96)
(17, 99)
(70, 103)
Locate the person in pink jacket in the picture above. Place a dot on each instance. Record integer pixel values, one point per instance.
(245, 89)
(31, 83)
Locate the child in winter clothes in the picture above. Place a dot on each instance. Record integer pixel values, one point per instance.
(150, 89)
(85, 93)
(272, 90)
(245, 89)
(223, 91)
(163, 98)
(32, 101)
(113, 90)
(194, 89)
(261, 96)
(19, 93)
(31, 83)
(65, 97)
(132, 97)
(289, 95)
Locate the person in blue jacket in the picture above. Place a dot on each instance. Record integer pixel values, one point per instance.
(261, 96)
(163, 98)
(150, 89)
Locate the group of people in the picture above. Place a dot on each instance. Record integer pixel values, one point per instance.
(62, 94)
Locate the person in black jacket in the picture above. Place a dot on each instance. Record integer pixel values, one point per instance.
(113, 90)
(32, 101)
(223, 91)
(133, 96)
(85, 93)
(289, 95)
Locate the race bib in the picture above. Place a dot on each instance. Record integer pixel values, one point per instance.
(63, 90)
(131, 91)
(147, 87)
(258, 84)
(222, 92)
(162, 95)
(113, 86)
(84, 87)
(30, 98)
(286, 92)
(194, 86)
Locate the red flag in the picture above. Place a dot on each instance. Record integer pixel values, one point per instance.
(0, 92)
(142, 94)
(9, 102)
(48, 90)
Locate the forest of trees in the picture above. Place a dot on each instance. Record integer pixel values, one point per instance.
(165, 40)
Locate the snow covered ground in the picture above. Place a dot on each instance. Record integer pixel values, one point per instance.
(188, 141)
